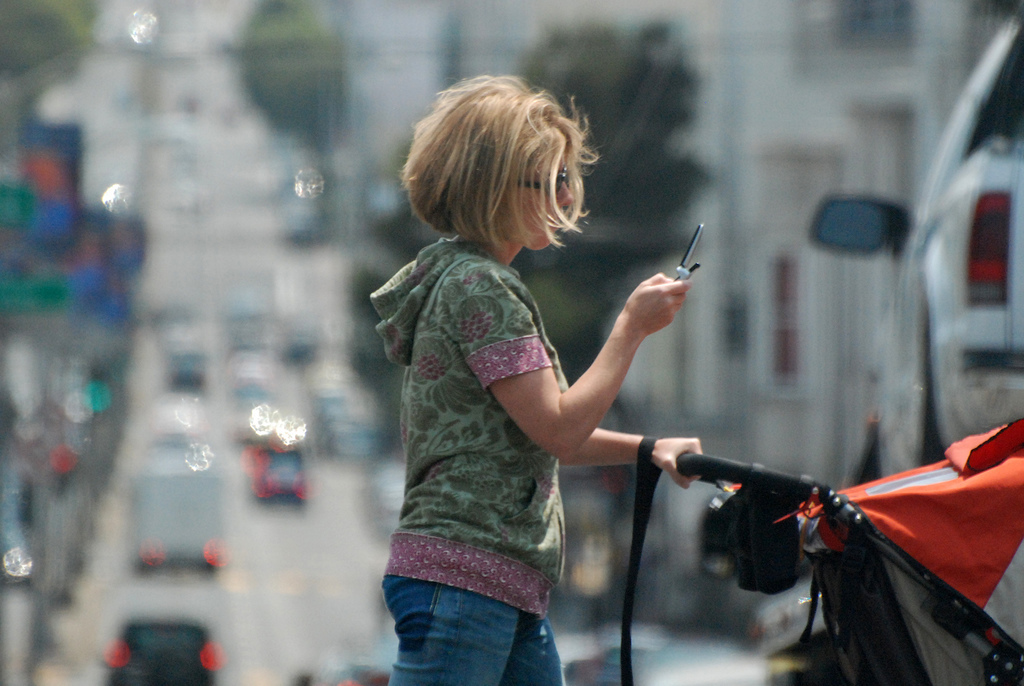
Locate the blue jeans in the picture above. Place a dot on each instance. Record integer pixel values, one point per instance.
(451, 637)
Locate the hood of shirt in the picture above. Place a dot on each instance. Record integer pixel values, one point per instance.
(401, 300)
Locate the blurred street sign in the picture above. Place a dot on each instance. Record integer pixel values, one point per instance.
(17, 203)
(33, 295)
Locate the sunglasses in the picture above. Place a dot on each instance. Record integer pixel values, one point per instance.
(562, 179)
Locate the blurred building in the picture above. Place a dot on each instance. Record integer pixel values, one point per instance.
(401, 53)
(774, 356)
(799, 98)
(771, 360)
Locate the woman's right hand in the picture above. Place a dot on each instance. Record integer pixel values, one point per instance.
(667, 451)
(653, 304)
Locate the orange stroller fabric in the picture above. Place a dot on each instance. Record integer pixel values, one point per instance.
(962, 518)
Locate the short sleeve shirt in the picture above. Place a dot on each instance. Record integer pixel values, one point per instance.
(473, 476)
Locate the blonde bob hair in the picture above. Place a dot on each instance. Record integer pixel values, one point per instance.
(485, 141)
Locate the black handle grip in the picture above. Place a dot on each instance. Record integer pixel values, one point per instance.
(712, 469)
(715, 469)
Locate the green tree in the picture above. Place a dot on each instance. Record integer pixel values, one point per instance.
(998, 8)
(293, 70)
(41, 41)
(33, 32)
(638, 93)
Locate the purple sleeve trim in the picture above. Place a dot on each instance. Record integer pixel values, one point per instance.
(431, 558)
(508, 358)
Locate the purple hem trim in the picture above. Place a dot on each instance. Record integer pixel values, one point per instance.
(508, 358)
(430, 558)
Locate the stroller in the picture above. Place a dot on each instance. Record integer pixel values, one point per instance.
(920, 575)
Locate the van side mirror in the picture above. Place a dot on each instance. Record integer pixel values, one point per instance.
(853, 224)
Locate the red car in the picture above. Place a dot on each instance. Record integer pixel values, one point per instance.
(277, 474)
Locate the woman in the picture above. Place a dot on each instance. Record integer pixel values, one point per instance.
(487, 416)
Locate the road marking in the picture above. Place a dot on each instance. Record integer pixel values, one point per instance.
(260, 677)
(290, 582)
(51, 675)
(330, 587)
(235, 580)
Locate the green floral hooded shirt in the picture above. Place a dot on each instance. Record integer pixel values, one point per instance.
(482, 508)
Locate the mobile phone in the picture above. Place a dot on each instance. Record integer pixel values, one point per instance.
(682, 270)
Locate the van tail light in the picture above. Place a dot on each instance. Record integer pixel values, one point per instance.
(211, 656)
(117, 654)
(989, 250)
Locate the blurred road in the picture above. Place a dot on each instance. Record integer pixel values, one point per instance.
(300, 583)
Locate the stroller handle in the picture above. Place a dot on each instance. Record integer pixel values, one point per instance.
(713, 470)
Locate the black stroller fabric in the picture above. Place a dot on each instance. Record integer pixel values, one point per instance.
(764, 539)
(861, 613)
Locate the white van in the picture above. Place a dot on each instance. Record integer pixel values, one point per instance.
(953, 352)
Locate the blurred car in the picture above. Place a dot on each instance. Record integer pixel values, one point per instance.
(339, 668)
(184, 352)
(661, 658)
(343, 421)
(386, 494)
(179, 419)
(300, 340)
(251, 368)
(186, 365)
(248, 319)
(163, 652)
(252, 333)
(276, 473)
(704, 661)
(186, 369)
(175, 322)
(345, 674)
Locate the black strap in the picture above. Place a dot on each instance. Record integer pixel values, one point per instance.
(805, 637)
(854, 555)
(647, 474)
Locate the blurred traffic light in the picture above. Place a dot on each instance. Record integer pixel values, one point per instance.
(63, 459)
(98, 395)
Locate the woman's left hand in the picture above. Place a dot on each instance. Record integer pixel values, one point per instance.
(666, 450)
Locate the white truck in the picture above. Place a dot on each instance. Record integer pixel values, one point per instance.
(178, 513)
